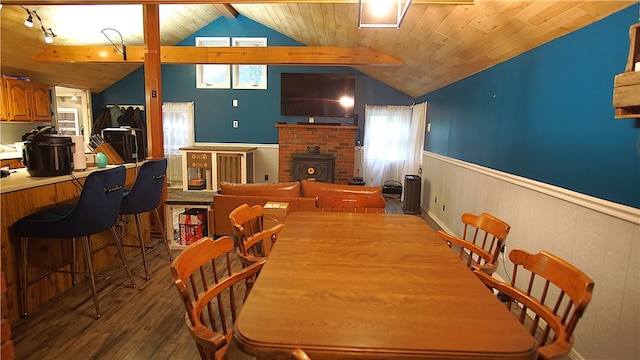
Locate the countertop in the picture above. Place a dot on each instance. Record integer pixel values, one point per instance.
(21, 180)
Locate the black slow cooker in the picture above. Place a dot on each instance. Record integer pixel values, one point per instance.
(47, 154)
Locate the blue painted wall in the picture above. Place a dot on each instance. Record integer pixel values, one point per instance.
(547, 115)
(258, 110)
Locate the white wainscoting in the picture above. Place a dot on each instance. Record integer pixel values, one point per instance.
(599, 237)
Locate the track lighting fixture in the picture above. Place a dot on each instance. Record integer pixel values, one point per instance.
(28, 22)
(122, 51)
(48, 35)
(48, 32)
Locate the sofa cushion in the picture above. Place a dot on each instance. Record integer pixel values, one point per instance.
(312, 189)
(286, 189)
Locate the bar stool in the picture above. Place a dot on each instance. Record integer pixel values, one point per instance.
(145, 196)
(95, 211)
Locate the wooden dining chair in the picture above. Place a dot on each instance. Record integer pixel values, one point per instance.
(212, 288)
(554, 291)
(351, 203)
(481, 241)
(254, 242)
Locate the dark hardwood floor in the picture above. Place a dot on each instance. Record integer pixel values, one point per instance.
(142, 323)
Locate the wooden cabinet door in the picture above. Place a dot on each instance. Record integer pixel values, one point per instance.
(18, 100)
(40, 102)
(3, 108)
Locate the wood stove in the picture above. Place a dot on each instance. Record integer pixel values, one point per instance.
(312, 166)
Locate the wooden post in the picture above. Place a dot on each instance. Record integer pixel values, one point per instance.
(153, 80)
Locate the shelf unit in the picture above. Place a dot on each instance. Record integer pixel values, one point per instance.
(626, 87)
(68, 121)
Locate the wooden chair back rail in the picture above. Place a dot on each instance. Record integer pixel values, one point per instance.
(259, 245)
(254, 242)
(212, 290)
(351, 203)
(482, 238)
(246, 220)
(486, 227)
(555, 291)
(554, 330)
(563, 276)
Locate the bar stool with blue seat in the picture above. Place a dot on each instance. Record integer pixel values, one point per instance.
(95, 211)
(145, 196)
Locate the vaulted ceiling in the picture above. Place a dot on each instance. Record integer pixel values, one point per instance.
(438, 43)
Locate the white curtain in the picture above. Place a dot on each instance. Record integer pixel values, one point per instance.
(393, 142)
(178, 131)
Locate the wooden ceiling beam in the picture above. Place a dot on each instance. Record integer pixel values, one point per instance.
(227, 10)
(270, 55)
(165, 2)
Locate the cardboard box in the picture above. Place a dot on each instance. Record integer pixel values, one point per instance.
(191, 233)
(274, 213)
(193, 225)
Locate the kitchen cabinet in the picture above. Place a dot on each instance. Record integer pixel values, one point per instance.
(25, 100)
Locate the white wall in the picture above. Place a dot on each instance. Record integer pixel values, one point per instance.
(599, 237)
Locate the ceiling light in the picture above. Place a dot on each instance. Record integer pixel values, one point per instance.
(28, 22)
(382, 13)
(48, 35)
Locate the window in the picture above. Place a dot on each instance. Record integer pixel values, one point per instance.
(249, 76)
(177, 130)
(212, 76)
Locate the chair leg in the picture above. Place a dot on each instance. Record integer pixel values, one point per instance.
(24, 246)
(164, 234)
(142, 248)
(118, 244)
(92, 279)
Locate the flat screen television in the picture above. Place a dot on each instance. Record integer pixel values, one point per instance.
(322, 95)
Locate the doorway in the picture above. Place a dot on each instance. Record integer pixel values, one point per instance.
(73, 111)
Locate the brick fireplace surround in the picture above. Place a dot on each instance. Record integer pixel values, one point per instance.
(336, 140)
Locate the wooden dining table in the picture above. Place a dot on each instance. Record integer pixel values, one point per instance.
(373, 286)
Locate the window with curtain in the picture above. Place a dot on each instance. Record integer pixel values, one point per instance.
(393, 142)
(178, 131)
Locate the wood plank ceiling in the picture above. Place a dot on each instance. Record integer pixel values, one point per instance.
(438, 43)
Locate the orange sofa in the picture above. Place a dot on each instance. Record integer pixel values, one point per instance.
(301, 196)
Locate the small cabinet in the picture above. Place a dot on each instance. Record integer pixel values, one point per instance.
(25, 100)
(204, 167)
